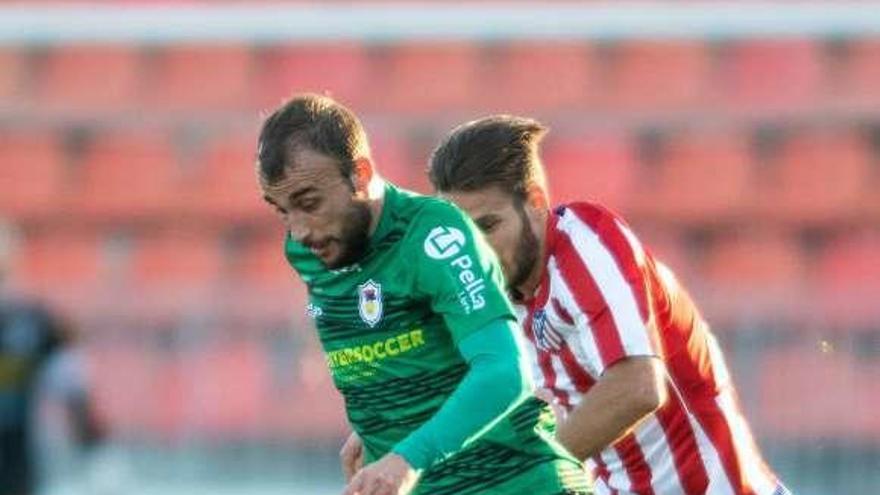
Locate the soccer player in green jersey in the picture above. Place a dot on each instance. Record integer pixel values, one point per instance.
(409, 305)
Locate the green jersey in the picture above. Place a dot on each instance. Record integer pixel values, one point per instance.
(389, 325)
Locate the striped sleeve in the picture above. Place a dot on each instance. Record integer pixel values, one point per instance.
(602, 264)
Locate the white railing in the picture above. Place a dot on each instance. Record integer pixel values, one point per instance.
(273, 23)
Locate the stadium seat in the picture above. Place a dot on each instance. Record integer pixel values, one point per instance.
(540, 76)
(848, 279)
(341, 70)
(91, 79)
(649, 75)
(772, 75)
(392, 157)
(703, 176)
(206, 78)
(849, 391)
(754, 275)
(596, 166)
(32, 170)
(127, 175)
(177, 260)
(13, 72)
(229, 390)
(224, 184)
(818, 176)
(861, 80)
(61, 262)
(418, 78)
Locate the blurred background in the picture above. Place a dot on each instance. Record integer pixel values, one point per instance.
(741, 139)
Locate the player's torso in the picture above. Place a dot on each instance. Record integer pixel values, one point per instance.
(677, 449)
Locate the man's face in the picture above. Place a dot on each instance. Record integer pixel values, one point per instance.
(504, 221)
(321, 209)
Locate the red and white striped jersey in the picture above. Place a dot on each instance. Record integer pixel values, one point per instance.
(604, 298)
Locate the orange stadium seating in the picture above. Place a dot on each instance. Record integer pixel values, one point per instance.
(848, 388)
(818, 176)
(61, 261)
(13, 73)
(540, 77)
(223, 185)
(754, 276)
(92, 78)
(176, 260)
(861, 80)
(648, 75)
(341, 69)
(206, 78)
(588, 165)
(430, 77)
(703, 176)
(32, 167)
(848, 279)
(772, 74)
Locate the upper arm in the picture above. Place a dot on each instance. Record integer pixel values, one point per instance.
(603, 267)
(456, 270)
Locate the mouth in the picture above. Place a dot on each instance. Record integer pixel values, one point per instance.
(322, 249)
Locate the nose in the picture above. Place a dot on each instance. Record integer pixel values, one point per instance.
(298, 228)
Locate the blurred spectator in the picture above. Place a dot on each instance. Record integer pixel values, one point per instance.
(37, 361)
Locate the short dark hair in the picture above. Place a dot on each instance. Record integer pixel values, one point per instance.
(500, 150)
(314, 122)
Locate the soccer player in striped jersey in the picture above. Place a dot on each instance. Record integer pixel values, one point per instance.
(643, 393)
(410, 307)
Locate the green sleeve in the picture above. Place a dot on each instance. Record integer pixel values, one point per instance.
(495, 384)
(456, 270)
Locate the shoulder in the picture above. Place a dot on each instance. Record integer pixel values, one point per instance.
(598, 234)
(430, 214)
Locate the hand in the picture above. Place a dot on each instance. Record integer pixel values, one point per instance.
(390, 475)
(352, 456)
(547, 396)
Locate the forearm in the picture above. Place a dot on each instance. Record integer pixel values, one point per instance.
(627, 393)
(496, 382)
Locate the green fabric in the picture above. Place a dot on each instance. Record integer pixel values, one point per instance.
(389, 326)
(496, 382)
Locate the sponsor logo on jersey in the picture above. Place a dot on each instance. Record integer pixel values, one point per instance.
(471, 297)
(370, 302)
(376, 351)
(444, 242)
(546, 336)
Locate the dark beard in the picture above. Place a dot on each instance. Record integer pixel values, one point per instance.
(526, 255)
(355, 235)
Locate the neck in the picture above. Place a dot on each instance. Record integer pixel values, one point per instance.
(530, 285)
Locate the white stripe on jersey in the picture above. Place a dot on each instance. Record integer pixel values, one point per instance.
(612, 284)
(582, 345)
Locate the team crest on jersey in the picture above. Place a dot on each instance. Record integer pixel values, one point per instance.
(370, 302)
(546, 336)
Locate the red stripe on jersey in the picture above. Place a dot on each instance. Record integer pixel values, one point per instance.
(579, 377)
(683, 442)
(561, 311)
(718, 430)
(590, 300)
(637, 469)
(604, 224)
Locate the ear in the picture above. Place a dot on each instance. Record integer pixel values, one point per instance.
(537, 198)
(361, 175)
